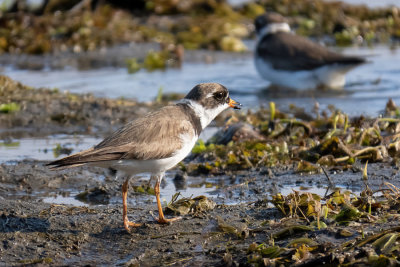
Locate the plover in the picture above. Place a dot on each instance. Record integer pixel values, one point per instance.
(156, 142)
(292, 61)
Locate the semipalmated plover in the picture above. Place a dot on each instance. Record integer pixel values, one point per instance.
(156, 142)
(293, 61)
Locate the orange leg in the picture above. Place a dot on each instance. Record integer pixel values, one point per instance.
(127, 223)
(161, 218)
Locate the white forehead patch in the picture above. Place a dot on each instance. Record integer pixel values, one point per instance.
(210, 95)
(273, 28)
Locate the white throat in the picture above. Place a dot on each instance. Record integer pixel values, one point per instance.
(205, 115)
(274, 28)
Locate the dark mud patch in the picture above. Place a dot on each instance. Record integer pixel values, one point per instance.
(74, 235)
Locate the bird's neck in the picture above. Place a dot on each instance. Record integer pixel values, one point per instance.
(205, 115)
(274, 28)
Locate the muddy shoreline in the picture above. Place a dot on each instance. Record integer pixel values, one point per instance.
(246, 227)
(292, 188)
(37, 232)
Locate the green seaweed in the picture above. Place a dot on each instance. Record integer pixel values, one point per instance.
(155, 60)
(9, 107)
(133, 65)
(347, 214)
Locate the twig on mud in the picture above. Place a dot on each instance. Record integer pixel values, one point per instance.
(246, 159)
(393, 188)
(366, 150)
(298, 208)
(330, 183)
(342, 159)
(178, 261)
(179, 234)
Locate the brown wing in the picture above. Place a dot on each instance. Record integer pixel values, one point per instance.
(155, 136)
(291, 52)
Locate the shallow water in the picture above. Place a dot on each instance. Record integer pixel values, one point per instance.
(319, 190)
(196, 188)
(367, 90)
(43, 148)
(64, 200)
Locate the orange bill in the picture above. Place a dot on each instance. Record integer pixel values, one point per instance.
(233, 104)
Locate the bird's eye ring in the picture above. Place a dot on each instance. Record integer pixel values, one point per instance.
(219, 96)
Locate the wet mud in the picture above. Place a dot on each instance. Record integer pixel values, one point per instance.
(60, 234)
(256, 219)
(286, 189)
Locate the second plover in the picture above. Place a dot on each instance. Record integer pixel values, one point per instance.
(292, 61)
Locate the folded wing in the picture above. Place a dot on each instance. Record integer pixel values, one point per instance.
(155, 136)
(287, 51)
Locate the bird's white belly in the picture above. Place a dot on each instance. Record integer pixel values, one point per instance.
(154, 166)
(332, 76)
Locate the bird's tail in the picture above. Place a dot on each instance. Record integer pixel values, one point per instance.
(74, 160)
(88, 156)
(352, 60)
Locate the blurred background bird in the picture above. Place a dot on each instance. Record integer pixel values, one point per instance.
(289, 60)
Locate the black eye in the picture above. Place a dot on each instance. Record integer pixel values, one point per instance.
(220, 95)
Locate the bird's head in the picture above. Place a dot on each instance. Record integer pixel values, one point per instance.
(210, 99)
(271, 22)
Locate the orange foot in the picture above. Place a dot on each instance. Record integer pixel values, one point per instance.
(127, 224)
(166, 221)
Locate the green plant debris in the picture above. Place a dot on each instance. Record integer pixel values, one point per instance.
(185, 206)
(267, 138)
(387, 243)
(144, 188)
(347, 214)
(10, 144)
(133, 65)
(272, 110)
(155, 60)
(61, 150)
(302, 240)
(36, 261)
(383, 248)
(199, 147)
(292, 230)
(227, 227)
(339, 209)
(97, 195)
(9, 108)
(233, 44)
(159, 97)
(346, 233)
